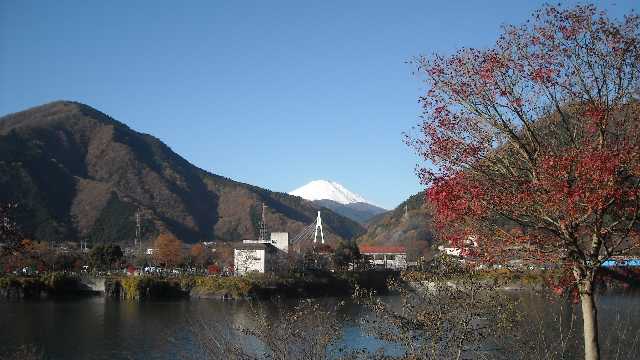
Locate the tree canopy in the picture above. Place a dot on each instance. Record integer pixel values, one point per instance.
(105, 256)
(346, 253)
(540, 133)
(167, 250)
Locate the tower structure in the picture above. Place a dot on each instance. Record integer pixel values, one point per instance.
(263, 233)
(137, 242)
(318, 226)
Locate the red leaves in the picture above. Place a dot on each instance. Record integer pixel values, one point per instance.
(542, 75)
(213, 269)
(596, 116)
(435, 71)
(491, 65)
(540, 131)
(517, 102)
(569, 32)
(569, 187)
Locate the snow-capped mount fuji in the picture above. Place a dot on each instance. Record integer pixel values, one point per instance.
(327, 190)
(336, 197)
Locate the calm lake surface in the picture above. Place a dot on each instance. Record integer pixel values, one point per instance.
(97, 328)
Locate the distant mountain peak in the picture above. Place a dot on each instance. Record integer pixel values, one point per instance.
(328, 190)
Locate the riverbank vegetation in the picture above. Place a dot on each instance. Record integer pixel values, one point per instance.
(472, 320)
(260, 286)
(57, 284)
(309, 284)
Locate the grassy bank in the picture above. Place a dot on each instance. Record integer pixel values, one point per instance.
(293, 285)
(144, 288)
(57, 284)
(310, 284)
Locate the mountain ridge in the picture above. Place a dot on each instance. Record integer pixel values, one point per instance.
(409, 224)
(81, 174)
(358, 211)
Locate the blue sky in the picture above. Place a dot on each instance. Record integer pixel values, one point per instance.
(272, 93)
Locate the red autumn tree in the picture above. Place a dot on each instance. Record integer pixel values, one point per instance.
(540, 133)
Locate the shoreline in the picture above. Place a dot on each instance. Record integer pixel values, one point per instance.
(265, 286)
(138, 288)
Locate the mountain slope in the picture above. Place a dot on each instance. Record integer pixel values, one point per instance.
(359, 211)
(78, 173)
(409, 225)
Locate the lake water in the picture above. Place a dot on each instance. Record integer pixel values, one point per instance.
(97, 328)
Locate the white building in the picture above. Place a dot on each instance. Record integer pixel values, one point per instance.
(261, 255)
(280, 240)
(254, 257)
(385, 257)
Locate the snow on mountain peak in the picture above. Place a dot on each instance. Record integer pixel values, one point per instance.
(327, 190)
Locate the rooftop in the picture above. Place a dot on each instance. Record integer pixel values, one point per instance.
(254, 246)
(364, 249)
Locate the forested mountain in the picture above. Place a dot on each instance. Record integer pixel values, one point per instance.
(76, 173)
(409, 225)
(359, 211)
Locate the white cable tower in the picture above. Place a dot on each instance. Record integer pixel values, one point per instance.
(318, 226)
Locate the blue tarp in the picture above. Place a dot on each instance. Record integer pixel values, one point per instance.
(622, 263)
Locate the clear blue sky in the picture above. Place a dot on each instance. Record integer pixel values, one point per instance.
(270, 93)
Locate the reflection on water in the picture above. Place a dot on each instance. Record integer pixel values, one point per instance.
(97, 328)
(556, 325)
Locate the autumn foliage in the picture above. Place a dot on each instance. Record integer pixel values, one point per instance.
(540, 134)
(198, 253)
(167, 250)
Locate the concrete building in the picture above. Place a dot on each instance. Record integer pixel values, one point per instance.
(385, 257)
(278, 239)
(261, 255)
(255, 257)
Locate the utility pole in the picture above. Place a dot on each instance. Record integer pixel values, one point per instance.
(137, 241)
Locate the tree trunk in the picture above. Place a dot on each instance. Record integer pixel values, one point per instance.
(589, 321)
